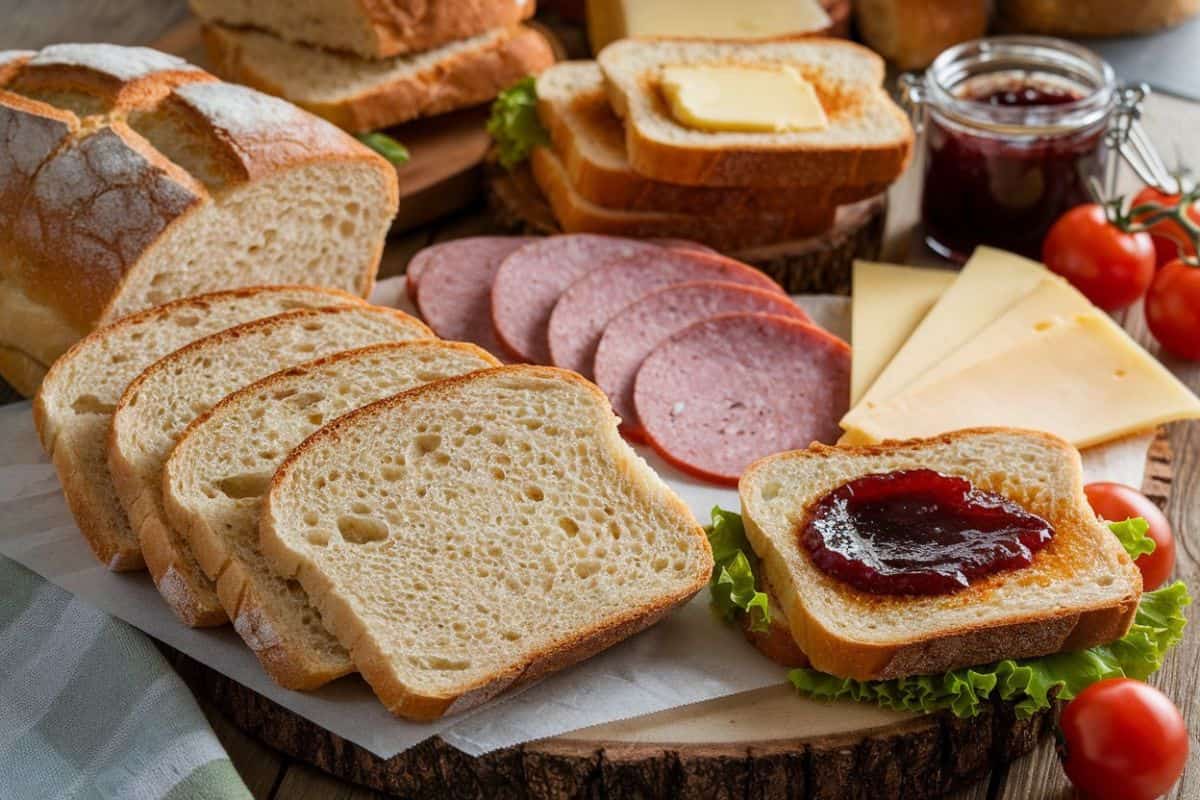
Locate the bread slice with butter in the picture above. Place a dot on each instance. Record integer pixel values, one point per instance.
(589, 139)
(865, 139)
(1081, 589)
(479, 533)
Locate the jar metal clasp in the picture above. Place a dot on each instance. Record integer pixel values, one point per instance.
(1127, 137)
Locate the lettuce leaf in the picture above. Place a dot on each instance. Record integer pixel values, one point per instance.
(386, 146)
(1032, 683)
(514, 123)
(733, 587)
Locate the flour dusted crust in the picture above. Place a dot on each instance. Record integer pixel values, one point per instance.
(129, 177)
(369, 28)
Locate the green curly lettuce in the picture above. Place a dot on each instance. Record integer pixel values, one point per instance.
(386, 146)
(733, 587)
(514, 123)
(1031, 683)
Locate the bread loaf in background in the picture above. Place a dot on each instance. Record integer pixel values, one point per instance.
(370, 28)
(911, 33)
(129, 177)
(1092, 17)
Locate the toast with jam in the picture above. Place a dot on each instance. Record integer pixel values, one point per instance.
(923, 556)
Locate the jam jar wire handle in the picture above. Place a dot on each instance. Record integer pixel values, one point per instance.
(1127, 137)
(912, 97)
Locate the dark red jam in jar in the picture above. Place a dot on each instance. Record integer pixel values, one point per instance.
(918, 532)
(1013, 131)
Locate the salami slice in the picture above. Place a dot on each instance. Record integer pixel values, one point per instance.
(454, 287)
(580, 315)
(474, 248)
(633, 333)
(730, 390)
(529, 283)
(683, 244)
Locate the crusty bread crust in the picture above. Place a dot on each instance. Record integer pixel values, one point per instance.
(1020, 635)
(167, 143)
(457, 81)
(1093, 17)
(89, 496)
(763, 161)
(911, 33)
(370, 28)
(367, 653)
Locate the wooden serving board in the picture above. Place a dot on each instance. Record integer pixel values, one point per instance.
(762, 744)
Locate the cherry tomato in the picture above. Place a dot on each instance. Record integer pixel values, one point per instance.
(1123, 740)
(1111, 267)
(1117, 502)
(1173, 309)
(1170, 241)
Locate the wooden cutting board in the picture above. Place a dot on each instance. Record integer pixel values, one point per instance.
(767, 743)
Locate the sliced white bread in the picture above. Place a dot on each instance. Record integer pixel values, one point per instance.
(73, 409)
(721, 230)
(159, 404)
(133, 178)
(370, 28)
(1082, 589)
(868, 139)
(363, 95)
(215, 478)
(589, 139)
(478, 533)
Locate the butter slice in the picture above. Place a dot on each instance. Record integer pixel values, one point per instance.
(889, 301)
(767, 99)
(609, 20)
(1081, 378)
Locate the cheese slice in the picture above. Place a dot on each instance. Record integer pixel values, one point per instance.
(766, 98)
(1080, 378)
(609, 20)
(1053, 301)
(989, 284)
(888, 302)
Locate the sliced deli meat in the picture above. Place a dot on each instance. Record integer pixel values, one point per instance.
(474, 248)
(634, 332)
(453, 283)
(531, 280)
(583, 311)
(730, 390)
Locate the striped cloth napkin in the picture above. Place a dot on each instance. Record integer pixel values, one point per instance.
(90, 709)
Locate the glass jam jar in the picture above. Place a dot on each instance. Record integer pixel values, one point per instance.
(1014, 131)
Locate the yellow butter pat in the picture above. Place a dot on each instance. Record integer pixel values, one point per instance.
(767, 99)
(609, 20)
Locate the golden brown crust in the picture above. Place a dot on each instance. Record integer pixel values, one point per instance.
(1093, 17)
(911, 33)
(463, 80)
(372, 661)
(397, 31)
(1034, 634)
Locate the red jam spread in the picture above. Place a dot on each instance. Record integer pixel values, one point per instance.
(918, 532)
(1005, 189)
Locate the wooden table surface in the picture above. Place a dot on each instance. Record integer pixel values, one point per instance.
(1172, 124)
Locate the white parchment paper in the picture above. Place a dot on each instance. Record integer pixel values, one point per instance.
(687, 658)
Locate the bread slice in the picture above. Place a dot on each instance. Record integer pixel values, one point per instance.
(215, 478)
(722, 230)
(133, 178)
(589, 139)
(1082, 589)
(868, 139)
(158, 405)
(911, 33)
(362, 95)
(370, 28)
(478, 533)
(73, 409)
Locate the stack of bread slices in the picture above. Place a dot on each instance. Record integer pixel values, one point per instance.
(355, 494)
(366, 66)
(620, 162)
